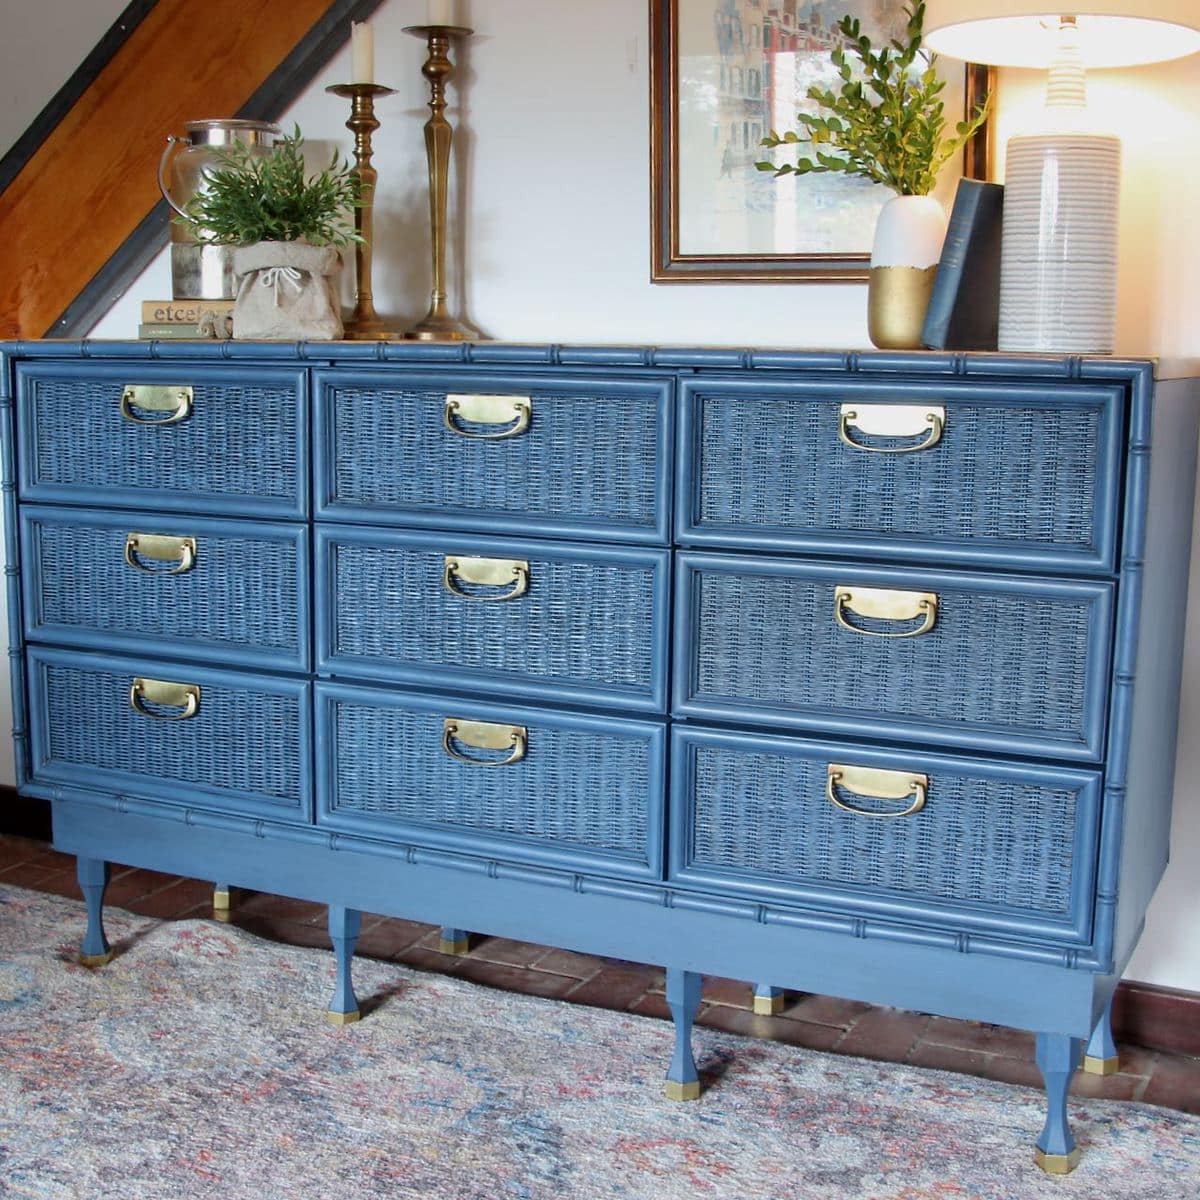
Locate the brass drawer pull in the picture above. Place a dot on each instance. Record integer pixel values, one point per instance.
(140, 398)
(484, 736)
(877, 785)
(892, 420)
(169, 695)
(885, 605)
(486, 572)
(158, 547)
(488, 410)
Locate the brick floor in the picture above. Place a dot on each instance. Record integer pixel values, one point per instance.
(814, 1022)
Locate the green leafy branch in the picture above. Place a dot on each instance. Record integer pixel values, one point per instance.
(252, 197)
(886, 120)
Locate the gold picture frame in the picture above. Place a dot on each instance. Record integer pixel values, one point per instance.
(705, 192)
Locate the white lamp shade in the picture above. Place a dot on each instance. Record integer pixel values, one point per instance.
(1021, 33)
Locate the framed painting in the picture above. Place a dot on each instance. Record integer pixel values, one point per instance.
(723, 73)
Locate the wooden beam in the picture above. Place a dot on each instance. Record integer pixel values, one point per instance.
(89, 191)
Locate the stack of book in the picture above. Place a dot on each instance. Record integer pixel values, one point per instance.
(186, 319)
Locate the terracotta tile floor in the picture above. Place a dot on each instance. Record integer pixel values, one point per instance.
(816, 1022)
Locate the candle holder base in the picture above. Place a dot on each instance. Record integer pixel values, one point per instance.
(439, 327)
(374, 330)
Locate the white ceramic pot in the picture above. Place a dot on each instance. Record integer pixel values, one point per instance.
(904, 259)
(1058, 261)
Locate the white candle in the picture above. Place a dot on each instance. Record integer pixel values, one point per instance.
(441, 12)
(362, 53)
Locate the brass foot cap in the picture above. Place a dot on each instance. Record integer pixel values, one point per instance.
(769, 1006)
(682, 1091)
(347, 1018)
(96, 960)
(222, 900)
(1057, 1164)
(1101, 1066)
(456, 948)
(224, 915)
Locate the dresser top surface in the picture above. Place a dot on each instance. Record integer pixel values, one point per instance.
(499, 354)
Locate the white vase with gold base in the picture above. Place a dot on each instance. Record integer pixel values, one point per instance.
(904, 259)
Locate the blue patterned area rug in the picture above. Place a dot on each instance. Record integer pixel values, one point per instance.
(198, 1064)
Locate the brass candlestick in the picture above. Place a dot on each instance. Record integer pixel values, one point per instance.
(438, 324)
(365, 323)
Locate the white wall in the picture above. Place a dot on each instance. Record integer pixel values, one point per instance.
(553, 154)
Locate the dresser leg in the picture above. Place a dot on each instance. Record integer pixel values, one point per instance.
(454, 941)
(93, 879)
(1100, 1057)
(344, 924)
(1057, 1056)
(683, 998)
(222, 902)
(768, 1000)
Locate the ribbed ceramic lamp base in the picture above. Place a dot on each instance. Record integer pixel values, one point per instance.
(1058, 272)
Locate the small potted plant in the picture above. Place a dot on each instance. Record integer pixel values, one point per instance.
(287, 226)
(886, 123)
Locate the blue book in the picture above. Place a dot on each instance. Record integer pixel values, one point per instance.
(964, 307)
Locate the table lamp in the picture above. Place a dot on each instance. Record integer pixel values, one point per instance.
(1058, 268)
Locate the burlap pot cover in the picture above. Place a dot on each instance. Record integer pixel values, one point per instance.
(287, 291)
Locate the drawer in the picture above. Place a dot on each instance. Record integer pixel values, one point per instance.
(1022, 473)
(840, 828)
(171, 732)
(187, 438)
(516, 784)
(194, 587)
(488, 615)
(1004, 663)
(499, 453)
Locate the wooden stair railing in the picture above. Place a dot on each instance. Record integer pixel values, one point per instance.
(81, 215)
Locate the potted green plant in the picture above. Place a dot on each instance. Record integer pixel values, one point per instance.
(287, 226)
(886, 122)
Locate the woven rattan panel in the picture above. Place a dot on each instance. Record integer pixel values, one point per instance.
(1016, 661)
(999, 473)
(239, 440)
(586, 456)
(242, 591)
(1002, 843)
(581, 621)
(574, 787)
(241, 739)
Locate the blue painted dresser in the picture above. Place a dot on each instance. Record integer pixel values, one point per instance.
(849, 673)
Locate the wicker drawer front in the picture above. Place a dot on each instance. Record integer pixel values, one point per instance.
(216, 590)
(577, 791)
(1001, 663)
(586, 623)
(1022, 473)
(234, 442)
(240, 743)
(583, 457)
(995, 846)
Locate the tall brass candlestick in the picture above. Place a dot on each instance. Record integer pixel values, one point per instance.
(438, 324)
(364, 324)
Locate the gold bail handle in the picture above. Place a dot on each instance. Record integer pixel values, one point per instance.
(876, 784)
(512, 573)
(885, 604)
(894, 421)
(483, 735)
(163, 692)
(140, 399)
(514, 411)
(156, 547)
